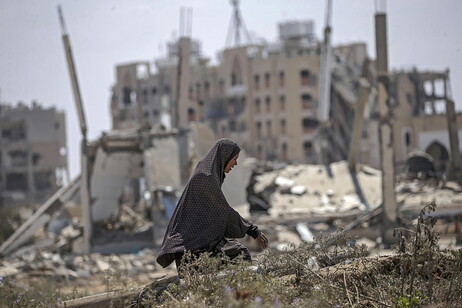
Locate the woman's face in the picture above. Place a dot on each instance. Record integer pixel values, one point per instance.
(231, 163)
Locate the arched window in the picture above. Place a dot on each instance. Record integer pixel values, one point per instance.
(268, 128)
(308, 148)
(258, 125)
(267, 80)
(281, 79)
(283, 127)
(257, 105)
(307, 101)
(282, 102)
(309, 125)
(305, 76)
(268, 104)
(284, 152)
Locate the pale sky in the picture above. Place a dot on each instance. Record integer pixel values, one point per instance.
(103, 33)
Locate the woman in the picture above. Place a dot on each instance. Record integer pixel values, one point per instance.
(203, 221)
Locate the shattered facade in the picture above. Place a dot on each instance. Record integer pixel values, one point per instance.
(33, 153)
(263, 96)
(419, 118)
(266, 96)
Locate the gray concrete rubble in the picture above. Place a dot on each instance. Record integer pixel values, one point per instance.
(292, 204)
(298, 202)
(72, 267)
(315, 191)
(123, 167)
(413, 195)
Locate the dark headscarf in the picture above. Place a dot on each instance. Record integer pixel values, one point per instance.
(202, 215)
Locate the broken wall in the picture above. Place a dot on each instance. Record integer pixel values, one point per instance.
(111, 173)
(166, 162)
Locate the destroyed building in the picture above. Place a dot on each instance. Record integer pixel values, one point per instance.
(33, 153)
(266, 97)
(253, 95)
(420, 121)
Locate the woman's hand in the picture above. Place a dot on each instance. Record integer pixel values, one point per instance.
(262, 241)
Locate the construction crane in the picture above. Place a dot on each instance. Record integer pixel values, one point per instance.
(325, 83)
(84, 176)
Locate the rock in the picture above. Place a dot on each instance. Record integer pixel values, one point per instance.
(102, 265)
(313, 264)
(8, 270)
(288, 237)
(304, 232)
(365, 241)
(283, 182)
(83, 273)
(298, 190)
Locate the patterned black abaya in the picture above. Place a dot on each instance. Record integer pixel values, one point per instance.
(202, 216)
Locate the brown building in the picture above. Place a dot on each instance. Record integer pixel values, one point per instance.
(33, 153)
(266, 98)
(418, 102)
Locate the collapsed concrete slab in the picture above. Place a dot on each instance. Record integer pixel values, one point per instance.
(40, 217)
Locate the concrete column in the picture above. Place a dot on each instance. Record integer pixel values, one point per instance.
(157, 216)
(30, 172)
(2, 168)
(454, 168)
(85, 197)
(433, 108)
(385, 124)
(180, 108)
(358, 124)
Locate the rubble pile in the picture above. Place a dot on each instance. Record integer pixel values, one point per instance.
(315, 190)
(412, 195)
(71, 267)
(52, 252)
(128, 220)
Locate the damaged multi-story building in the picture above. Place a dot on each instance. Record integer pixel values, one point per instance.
(33, 153)
(267, 96)
(418, 102)
(264, 96)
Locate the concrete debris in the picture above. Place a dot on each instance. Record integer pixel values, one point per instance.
(283, 182)
(298, 190)
(68, 267)
(413, 195)
(40, 217)
(315, 190)
(367, 242)
(299, 203)
(304, 232)
(8, 269)
(313, 264)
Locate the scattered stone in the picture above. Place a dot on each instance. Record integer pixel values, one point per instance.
(8, 270)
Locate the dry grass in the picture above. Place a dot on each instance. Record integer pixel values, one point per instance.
(333, 271)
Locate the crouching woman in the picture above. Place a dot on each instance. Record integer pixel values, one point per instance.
(203, 220)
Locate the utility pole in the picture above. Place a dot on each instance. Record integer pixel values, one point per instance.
(85, 194)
